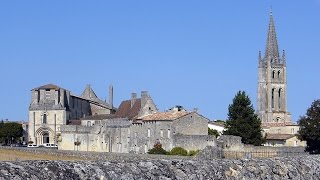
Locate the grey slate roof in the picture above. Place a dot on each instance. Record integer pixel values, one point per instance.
(89, 94)
(48, 86)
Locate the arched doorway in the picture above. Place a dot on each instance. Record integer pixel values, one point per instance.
(46, 137)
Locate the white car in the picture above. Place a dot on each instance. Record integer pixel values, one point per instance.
(49, 145)
(32, 146)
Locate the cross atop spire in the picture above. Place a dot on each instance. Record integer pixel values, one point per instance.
(272, 49)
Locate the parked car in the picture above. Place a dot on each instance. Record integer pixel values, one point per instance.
(49, 145)
(33, 146)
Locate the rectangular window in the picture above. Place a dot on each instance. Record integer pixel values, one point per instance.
(292, 131)
(169, 133)
(145, 148)
(149, 133)
(48, 94)
(119, 147)
(44, 119)
(161, 132)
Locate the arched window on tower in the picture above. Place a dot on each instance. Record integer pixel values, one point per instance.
(44, 119)
(279, 98)
(279, 74)
(272, 98)
(273, 74)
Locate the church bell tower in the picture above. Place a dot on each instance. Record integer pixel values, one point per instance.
(272, 82)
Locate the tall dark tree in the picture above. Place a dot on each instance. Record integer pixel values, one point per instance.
(10, 132)
(310, 128)
(242, 120)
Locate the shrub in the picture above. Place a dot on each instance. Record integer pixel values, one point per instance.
(193, 152)
(157, 149)
(179, 151)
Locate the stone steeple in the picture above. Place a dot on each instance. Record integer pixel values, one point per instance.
(272, 82)
(272, 49)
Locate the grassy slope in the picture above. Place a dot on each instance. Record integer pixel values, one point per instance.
(9, 155)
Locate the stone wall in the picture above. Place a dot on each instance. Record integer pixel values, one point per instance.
(144, 136)
(230, 142)
(301, 167)
(193, 142)
(191, 124)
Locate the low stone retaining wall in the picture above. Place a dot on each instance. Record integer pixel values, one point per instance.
(300, 167)
(94, 156)
(249, 152)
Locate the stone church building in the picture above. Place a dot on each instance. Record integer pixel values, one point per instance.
(52, 106)
(272, 94)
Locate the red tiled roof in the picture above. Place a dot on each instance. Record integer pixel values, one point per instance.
(277, 124)
(279, 136)
(125, 110)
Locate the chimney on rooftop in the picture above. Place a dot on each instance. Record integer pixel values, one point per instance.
(144, 98)
(111, 96)
(133, 98)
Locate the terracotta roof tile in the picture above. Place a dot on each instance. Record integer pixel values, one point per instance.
(276, 124)
(125, 110)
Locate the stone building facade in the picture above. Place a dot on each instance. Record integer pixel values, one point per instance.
(135, 128)
(52, 106)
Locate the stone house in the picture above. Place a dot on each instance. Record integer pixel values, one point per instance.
(52, 106)
(135, 128)
(282, 135)
(279, 140)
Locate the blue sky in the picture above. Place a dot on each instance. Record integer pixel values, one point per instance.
(189, 53)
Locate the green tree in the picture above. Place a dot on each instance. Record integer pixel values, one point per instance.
(179, 151)
(243, 122)
(157, 149)
(10, 132)
(310, 128)
(213, 132)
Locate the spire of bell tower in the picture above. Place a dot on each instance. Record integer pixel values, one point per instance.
(272, 49)
(284, 57)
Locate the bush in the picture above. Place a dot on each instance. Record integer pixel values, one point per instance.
(179, 151)
(157, 149)
(213, 132)
(193, 152)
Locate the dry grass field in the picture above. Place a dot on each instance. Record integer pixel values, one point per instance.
(12, 155)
